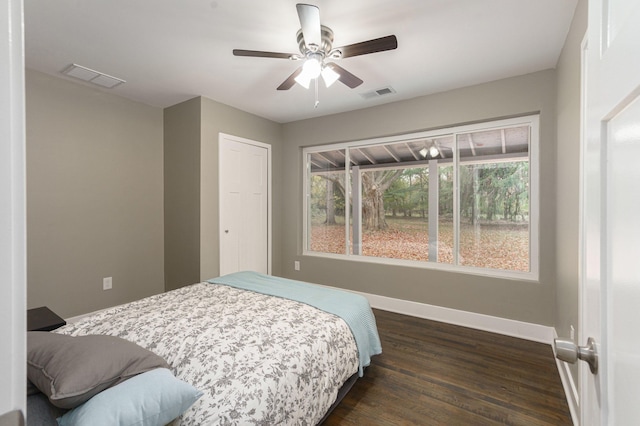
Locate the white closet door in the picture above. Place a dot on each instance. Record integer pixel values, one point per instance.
(244, 205)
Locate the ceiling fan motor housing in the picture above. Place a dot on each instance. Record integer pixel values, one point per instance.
(326, 35)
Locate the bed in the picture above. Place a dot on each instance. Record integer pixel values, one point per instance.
(260, 349)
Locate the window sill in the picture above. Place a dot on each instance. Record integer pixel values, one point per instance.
(482, 272)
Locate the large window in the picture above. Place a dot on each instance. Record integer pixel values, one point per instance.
(463, 199)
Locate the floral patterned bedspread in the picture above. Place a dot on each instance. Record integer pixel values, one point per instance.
(259, 359)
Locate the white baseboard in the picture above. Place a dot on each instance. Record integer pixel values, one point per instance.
(513, 328)
(570, 390)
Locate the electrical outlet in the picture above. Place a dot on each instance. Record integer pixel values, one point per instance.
(107, 283)
(572, 331)
(296, 265)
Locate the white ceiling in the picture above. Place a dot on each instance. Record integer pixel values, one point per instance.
(169, 51)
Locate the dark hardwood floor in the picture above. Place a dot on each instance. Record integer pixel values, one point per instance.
(431, 373)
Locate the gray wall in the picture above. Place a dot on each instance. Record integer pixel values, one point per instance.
(520, 300)
(182, 194)
(94, 197)
(568, 165)
(219, 118)
(191, 184)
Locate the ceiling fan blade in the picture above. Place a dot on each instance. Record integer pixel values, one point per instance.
(346, 77)
(261, 54)
(309, 16)
(291, 80)
(376, 45)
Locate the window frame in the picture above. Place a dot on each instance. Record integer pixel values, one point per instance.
(533, 121)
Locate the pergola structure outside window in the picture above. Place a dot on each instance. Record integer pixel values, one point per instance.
(463, 198)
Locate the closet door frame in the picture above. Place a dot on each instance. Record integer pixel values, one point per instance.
(222, 137)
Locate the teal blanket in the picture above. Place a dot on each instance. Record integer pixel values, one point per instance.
(353, 308)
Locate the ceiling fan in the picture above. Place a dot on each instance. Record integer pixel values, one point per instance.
(316, 45)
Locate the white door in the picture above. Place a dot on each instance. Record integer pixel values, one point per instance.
(13, 218)
(610, 292)
(244, 205)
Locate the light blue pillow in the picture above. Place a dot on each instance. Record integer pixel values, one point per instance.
(148, 399)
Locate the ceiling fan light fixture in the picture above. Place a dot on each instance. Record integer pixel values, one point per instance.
(329, 76)
(312, 67)
(303, 80)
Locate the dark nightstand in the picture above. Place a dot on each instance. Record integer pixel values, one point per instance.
(43, 319)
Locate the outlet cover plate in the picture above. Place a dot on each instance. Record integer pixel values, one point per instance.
(107, 283)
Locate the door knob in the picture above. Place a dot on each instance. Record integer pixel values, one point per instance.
(569, 352)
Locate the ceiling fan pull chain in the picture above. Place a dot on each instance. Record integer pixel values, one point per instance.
(317, 101)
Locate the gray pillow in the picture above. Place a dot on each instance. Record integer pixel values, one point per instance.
(70, 370)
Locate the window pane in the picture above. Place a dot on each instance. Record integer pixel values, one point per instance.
(326, 202)
(395, 213)
(445, 214)
(398, 215)
(494, 199)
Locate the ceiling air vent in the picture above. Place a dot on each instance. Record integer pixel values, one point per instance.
(91, 76)
(377, 93)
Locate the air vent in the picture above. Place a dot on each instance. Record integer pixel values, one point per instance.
(378, 92)
(91, 76)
